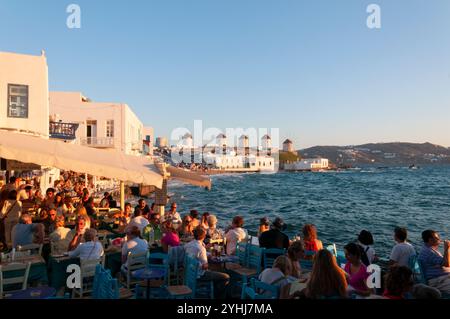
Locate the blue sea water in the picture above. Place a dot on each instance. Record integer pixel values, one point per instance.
(340, 204)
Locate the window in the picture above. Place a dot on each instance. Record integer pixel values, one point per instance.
(110, 128)
(18, 101)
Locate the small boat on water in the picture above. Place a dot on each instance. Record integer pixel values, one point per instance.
(413, 166)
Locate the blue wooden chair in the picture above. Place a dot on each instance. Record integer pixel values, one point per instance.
(242, 254)
(105, 287)
(270, 254)
(188, 290)
(252, 266)
(259, 290)
(160, 261)
(414, 265)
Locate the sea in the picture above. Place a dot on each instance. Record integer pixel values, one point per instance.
(339, 203)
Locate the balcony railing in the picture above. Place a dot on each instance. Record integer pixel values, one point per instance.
(100, 142)
(65, 131)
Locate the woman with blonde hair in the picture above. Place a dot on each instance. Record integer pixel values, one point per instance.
(59, 240)
(327, 279)
(81, 211)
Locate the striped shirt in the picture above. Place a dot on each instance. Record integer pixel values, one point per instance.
(432, 261)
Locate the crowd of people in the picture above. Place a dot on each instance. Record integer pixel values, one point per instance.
(144, 228)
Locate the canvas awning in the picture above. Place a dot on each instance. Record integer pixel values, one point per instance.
(54, 153)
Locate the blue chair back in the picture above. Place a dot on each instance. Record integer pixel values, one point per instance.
(191, 268)
(105, 287)
(259, 290)
(269, 256)
(242, 252)
(255, 254)
(160, 261)
(269, 291)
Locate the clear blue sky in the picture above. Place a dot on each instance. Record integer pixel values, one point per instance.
(311, 68)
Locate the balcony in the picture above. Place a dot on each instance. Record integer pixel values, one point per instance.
(64, 131)
(98, 142)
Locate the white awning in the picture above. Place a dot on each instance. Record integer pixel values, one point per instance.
(54, 153)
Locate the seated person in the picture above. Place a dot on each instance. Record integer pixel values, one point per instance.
(104, 203)
(81, 211)
(235, 235)
(142, 207)
(172, 215)
(59, 241)
(403, 251)
(436, 267)
(186, 228)
(356, 271)
(195, 221)
(152, 233)
(139, 221)
(310, 241)
(134, 244)
(398, 282)
(204, 221)
(295, 253)
(75, 236)
(279, 275)
(365, 240)
(124, 218)
(197, 250)
(23, 233)
(275, 238)
(327, 279)
(213, 233)
(170, 237)
(50, 221)
(264, 225)
(90, 249)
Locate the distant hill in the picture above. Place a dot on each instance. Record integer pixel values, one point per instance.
(381, 154)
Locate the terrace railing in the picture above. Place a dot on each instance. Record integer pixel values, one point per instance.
(65, 131)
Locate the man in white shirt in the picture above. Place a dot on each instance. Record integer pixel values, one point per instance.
(403, 251)
(139, 221)
(90, 249)
(196, 249)
(172, 215)
(235, 235)
(134, 244)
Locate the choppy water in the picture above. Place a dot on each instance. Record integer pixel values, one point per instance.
(340, 204)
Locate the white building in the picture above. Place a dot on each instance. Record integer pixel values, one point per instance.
(244, 141)
(24, 101)
(266, 142)
(101, 125)
(288, 146)
(307, 164)
(239, 163)
(24, 93)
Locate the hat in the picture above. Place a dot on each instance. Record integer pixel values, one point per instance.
(278, 223)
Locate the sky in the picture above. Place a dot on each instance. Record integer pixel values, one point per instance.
(312, 69)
